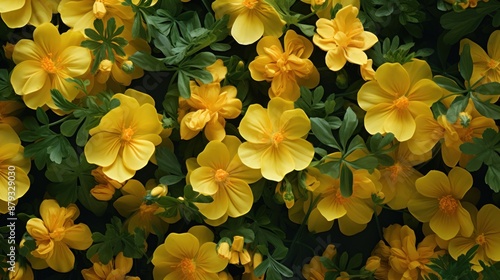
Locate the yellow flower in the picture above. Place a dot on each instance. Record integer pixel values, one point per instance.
(286, 70)
(486, 235)
(55, 233)
(190, 256)
(106, 187)
(8, 49)
(325, 11)
(315, 270)
(486, 65)
(80, 14)
(222, 175)
(343, 38)
(46, 62)
(22, 272)
(465, 4)
(139, 212)
(13, 165)
(402, 259)
(438, 202)
(367, 72)
(210, 105)
(125, 138)
(18, 13)
(8, 108)
(398, 180)
(249, 19)
(117, 268)
(274, 137)
(393, 104)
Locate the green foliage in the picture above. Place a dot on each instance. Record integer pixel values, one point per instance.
(169, 169)
(486, 151)
(342, 263)
(391, 51)
(183, 205)
(104, 43)
(142, 12)
(6, 90)
(450, 269)
(117, 239)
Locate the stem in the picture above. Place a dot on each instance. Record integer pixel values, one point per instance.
(455, 93)
(60, 121)
(304, 221)
(307, 16)
(379, 229)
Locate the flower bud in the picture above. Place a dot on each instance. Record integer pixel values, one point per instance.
(245, 257)
(99, 9)
(159, 190)
(372, 263)
(238, 242)
(224, 248)
(128, 66)
(464, 119)
(8, 49)
(257, 259)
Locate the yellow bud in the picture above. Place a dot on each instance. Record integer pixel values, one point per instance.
(238, 242)
(330, 251)
(8, 49)
(464, 119)
(103, 192)
(128, 66)
(159, 190)
(372, 263)
(257, 259)
(99, 9)
(235, 257)
(245, 257)
(224, 250)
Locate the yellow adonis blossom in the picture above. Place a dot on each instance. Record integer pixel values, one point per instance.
(343, 38)
(275, 139)
(139, 212)
(125, 138)
(324, 7)
(486, 66)
(464, 4)
(398, 179)
(13, 164)
(191, 255)
(209, 106)
(55, 233)
(486, 235)
(116, 268)
(286, 70)
(249, 19)
(402, 258)
(80, 14)
(19, 13)
(392, 104)
(315, 270)
(220, 173)
(438, 202)
(46, 62)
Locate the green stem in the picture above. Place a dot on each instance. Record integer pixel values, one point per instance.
(307, 16)
(61, 120)
(304, 221)
(455, 93)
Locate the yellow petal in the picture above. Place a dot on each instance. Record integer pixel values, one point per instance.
(61, 259)
(203, 181)
(356, 56)
(427, 133)
(7, 5)
(251, 154)
(240, 197)
(465, 221)
(214, 130)
(302, 152)
(425, 91)
(417, 70)
(255, 126)
(47, 37)
(358, 210)
(460, 181)
(126, 205)
(273, 25)
(17, 18)
(385, 77)
(275, 109)
(371, 94)
(401, 123)
(330, 208)
(459, 246)
(445, 226)
(36, 229)
(217, 208)
(494, 45)
(183, 245)
(28, 77)
(349, 228)
(423, 208)
(335, 58)
(276, 163)
(433, 185)
(137, 153)
(267, 42)
(208, 260)
(317, 223)
(42, 12)
(118, 170)
(247, 28)
(102, 148)
(75, 60)
(238, 170)
(26, 50)
(294, 124)
(202, 233)
(78, 237)
(375, 118)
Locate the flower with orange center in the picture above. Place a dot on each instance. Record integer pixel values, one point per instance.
(219, 172)
(343, 38)
(117, 268)
(398, 180)
(19, 13)
(438, 201)
(315, 270)
(286, 70)
(55, 233)
(274, 137)
(486, 235)
(125, 138)
(486, 66)
(139, 212)
(391, 104)
(325, 11)
(45, 63)
(249, 19)
(190, 256)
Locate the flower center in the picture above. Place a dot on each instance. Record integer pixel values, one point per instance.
(188, 268)
(394, 171)
(48, 64)
(127, 134)
(339, 197)
(492, 64)
(148, 209)
(480, 239)
(448, 204)
(99, 9)
(250, 3)
(277, 138)
(401, 103)
(221, 175)
(57, 234)
(464, 119)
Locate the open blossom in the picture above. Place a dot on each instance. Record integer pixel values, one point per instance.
(343, 38)
(486, 65)
(286, 70)
(274, 137)
(438, 202)
(486, 235)
(249, 19)
(116, 268)
(325, 11)
(55, 233)
(12, 161)
(315, 270)
(19, 13)
(45, 63)
(125, 138)
(191, 255)
(221, 174)
(391, 104)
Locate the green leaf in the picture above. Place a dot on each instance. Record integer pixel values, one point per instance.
(61, 102)
(321, 129)
(492, 88)
(492, 177)
(42, 116)
(220, 47)
(367, 162)
(148, 62)
(346, 181)
(486, 108)
(307, 29)
(349, 124)
(465, 63)
(458, 105)
(69, 127)
(447, 83)
(183, 84)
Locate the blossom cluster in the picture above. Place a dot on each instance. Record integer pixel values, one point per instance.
(167, 139)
